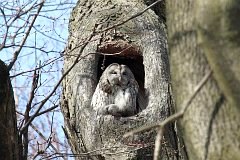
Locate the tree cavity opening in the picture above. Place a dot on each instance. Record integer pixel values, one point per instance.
(128, 55)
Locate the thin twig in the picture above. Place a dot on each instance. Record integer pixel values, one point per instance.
(46, 35)
(47, 110)
(32, 47)
(58, 83)
(21, 12)
(7, 27)
(37, 68)
(16, 53)
(43, 137)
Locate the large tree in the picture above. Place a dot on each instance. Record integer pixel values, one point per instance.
(203, 37)
(101, 33)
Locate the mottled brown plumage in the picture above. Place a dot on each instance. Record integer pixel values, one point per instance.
(116, 93)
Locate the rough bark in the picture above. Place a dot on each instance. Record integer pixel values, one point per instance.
(143, 40)
(8, 124)
(204, 35)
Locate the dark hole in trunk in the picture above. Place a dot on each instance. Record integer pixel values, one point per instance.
(136, 66)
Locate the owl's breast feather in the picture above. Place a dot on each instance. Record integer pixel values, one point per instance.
(122, 97)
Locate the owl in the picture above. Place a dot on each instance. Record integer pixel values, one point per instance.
(116, 93)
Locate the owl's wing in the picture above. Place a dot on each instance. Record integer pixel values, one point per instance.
(134, 85)
(141, 96)
(104, 84)
(100, 99)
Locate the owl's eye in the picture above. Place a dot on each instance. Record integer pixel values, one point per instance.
(124, 73)
(114, 72)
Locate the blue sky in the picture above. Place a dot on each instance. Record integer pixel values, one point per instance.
(49, 36)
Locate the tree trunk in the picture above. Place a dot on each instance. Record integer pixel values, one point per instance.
(8, 124)
(203, 36)
(141, 44)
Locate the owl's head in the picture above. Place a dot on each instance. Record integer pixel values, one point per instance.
(116, 75)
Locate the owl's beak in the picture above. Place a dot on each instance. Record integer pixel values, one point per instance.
(120, 79)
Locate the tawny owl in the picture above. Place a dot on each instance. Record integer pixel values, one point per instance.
(116, 93)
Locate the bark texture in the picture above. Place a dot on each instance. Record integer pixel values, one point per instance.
(8, 124)
(204, 35)
(143, 46)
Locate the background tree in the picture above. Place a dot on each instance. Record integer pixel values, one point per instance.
(204, 36)
(8, 132)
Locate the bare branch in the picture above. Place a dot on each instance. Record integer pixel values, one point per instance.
(43, 137)
(174, 116)
(47, 110)
(49, 36)
(7, 27)
(158, 143)
(18, 29)
(26, 115)
(58, 83)
(50, 62)
(20, 12)
(16, 53)
(170, 119)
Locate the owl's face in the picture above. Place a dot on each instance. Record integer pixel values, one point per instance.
(118, 74)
